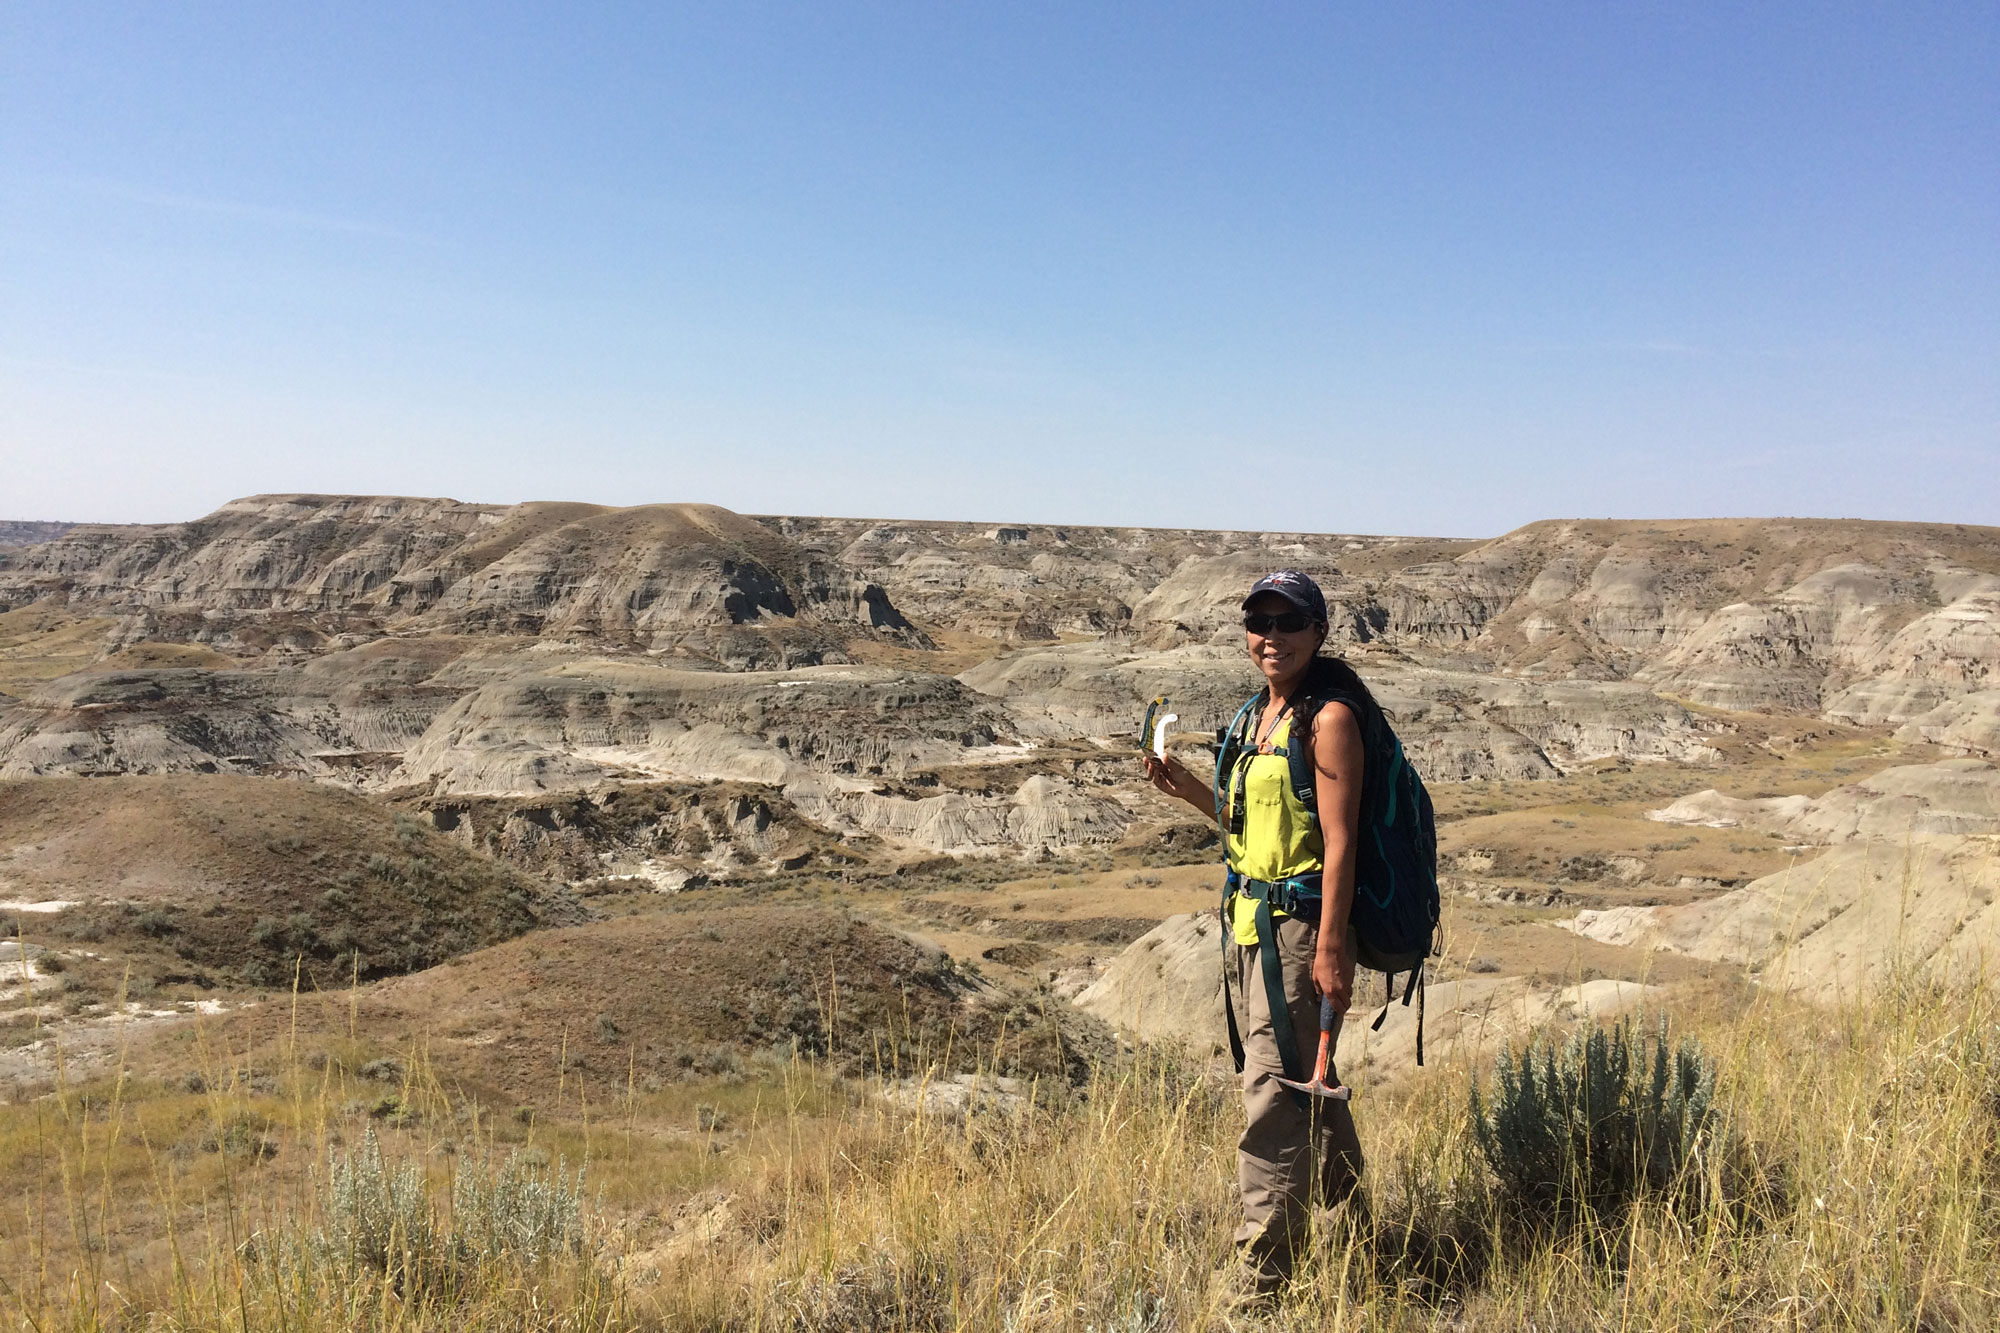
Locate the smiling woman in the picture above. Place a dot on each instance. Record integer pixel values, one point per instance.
(1289, 953)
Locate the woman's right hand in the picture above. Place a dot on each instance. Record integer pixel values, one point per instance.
(1171, 776)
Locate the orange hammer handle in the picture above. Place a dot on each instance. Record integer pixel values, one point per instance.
(1325, 1038)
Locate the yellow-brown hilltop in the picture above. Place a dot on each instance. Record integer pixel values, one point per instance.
(316, 567)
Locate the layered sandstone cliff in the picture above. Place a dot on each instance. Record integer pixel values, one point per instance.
(305, 569)
(507, 651)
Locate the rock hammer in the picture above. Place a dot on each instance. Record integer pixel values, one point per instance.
(1317, 1086)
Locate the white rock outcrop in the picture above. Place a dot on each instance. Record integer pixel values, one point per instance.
(1166, 985)
(1951, 796)
(1839, 926)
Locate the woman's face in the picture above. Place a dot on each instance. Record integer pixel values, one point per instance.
(1279, 654)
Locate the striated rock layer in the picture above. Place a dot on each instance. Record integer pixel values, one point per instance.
(305, 568)
(943, 687)
(1871, 622)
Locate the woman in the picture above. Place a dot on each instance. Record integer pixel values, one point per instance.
(1291, 1141)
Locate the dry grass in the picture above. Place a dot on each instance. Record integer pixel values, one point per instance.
(230, 880)
(40, 642)
(955, 651)
(1863, 1192)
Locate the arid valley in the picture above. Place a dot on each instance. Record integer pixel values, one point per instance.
(643, 837)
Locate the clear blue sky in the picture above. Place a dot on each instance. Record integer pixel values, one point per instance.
(1331, 266)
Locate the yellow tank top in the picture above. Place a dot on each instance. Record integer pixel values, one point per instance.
(1278, 840)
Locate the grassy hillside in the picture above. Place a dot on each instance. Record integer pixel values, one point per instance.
(223, 880)
(722, 985)
(1855, 1185)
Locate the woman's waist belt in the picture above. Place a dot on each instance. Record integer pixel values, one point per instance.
(1284, 895)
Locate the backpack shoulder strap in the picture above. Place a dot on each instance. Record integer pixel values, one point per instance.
(1229, 744)
(1298, 753)
(1306, 706)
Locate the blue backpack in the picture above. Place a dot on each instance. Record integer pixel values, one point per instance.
(1396, 903)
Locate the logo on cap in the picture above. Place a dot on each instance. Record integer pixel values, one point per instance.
(1295, 588)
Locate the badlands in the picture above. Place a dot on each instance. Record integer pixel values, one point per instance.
(501, 769)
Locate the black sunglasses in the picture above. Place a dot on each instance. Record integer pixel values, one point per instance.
(1285, 622)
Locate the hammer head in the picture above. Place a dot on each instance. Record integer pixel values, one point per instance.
(1339, 1092)
(1317, 1086)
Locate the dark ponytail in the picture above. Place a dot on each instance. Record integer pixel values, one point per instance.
(1331, 675)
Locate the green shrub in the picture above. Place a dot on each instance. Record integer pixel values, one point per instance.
(380, 1218)
(1584, 1129)
(523, 1212)
(377, 1218)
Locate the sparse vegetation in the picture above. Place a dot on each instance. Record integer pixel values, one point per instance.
(1588, 1126)
(786, 1197)
(258, 883)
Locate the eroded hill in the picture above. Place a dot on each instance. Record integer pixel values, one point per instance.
(937, 687)
(333, 736)
(239, 880)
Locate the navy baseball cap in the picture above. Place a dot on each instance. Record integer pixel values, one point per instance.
(1295, 588)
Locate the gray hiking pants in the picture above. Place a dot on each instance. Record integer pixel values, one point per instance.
(1287, 1151)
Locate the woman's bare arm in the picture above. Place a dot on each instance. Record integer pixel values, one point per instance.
(1338, 759)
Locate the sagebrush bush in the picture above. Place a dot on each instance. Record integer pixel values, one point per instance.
(377, 1218)
(1584, 1128)
(521, 1212)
